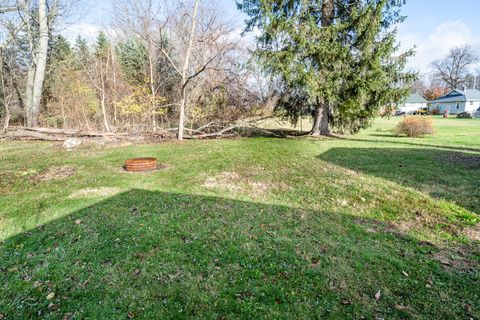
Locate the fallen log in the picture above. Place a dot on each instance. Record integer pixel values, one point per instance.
(19, 133)
(50, 134)
(53, 134)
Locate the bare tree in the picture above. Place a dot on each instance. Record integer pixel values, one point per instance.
(37, 19)
(8, 29)
(191, 40)
(454, 68)
(141, 20)
(198, 43)
(6, 93)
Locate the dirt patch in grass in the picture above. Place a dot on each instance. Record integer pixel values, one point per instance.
(472, 233)
(53, 173)
(424, 220)
(94, 192)
(419, 220)
(460, 258)
(233, 182)
(464, 159)
(6, 181)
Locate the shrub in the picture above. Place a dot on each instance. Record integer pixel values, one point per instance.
(435, 112)
(414, 126)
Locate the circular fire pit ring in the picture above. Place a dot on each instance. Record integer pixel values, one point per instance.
(144, 164)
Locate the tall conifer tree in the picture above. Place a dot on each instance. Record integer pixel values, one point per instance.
(337, 59)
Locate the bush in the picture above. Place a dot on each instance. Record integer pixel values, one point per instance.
(414, 126)
(435, 112)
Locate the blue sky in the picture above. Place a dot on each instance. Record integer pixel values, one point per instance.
(434, 26)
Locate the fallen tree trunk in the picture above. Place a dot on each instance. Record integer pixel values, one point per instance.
(204, 132)
(20, 133)
(73, 133)
(50, 134)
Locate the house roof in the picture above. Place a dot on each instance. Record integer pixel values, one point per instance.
(415, 98)
(458, 95)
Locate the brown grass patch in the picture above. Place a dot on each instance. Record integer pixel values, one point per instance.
(472, 233)
(94, 192)
(233, 182)
(53, 173)
(457, 259)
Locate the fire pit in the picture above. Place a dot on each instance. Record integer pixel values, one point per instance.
(141, 164)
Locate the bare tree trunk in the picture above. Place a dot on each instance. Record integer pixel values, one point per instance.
(40, 62)
(6, 98)
(104, 112)
(6, 122)
(186, 63)
(114, 74)
(181, 119)
(103, 98)
(62, 104)
(86, 118)
(320, 120)
(152, 86)
(29, 95)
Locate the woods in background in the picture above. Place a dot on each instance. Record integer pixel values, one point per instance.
(159, 59)
(178, 66)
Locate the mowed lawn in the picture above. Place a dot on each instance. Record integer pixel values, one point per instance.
(363, 227)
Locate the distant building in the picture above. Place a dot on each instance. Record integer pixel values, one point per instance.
(412, 103)
(457, 101)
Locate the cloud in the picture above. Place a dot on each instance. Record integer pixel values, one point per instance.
(89, 31)
(436, 45)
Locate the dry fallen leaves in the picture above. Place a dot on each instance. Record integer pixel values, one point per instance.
(53, 307)
(429, 283)
(51, 295)
(78, 221)
(378, 295)
(14, 269)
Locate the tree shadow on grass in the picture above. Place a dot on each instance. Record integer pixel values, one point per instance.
(144, 254)
(449, 175)
(271, 133)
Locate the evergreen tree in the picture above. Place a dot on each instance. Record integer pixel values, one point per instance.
(59, 60)
(334, 59)
(133, 58)
(102, 46)
(82, 51)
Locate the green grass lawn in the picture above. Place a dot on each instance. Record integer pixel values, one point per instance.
(370, 225)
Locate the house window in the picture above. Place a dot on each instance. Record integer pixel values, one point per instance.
(471, 103)
(458, 105)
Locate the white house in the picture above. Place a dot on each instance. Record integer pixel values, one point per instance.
(412, 103)
(457, 101)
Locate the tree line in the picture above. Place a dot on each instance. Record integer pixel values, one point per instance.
(179, 65)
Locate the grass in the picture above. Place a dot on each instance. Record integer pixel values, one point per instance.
(370, 225)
